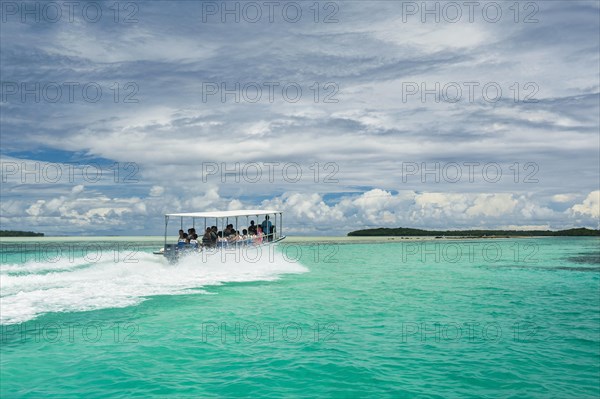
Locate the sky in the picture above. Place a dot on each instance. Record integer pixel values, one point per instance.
(342, 114)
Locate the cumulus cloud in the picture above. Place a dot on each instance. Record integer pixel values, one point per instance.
(590, 205)
(303, 213)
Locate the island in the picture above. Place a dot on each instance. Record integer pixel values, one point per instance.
(408, 232)
(15, 233)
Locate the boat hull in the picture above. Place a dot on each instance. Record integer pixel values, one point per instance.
(172, 252)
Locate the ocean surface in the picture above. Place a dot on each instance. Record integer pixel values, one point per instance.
(501, 318)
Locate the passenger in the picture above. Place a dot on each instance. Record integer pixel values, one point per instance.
(194, 240)
(229, 236)
(207, 238)
(187, 244)
(235, 238)
(213, 235)
(181, 238)
(267, 228)
(259, 236)
(221, 241)
(252, 228)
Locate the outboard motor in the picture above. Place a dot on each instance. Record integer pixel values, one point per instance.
(171, 252)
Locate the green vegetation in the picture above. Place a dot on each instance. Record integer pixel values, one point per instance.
(406, 232)
(12, 233)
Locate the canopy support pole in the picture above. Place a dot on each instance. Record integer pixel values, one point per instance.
(166, 224)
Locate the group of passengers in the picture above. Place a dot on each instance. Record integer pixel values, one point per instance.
(253, 235)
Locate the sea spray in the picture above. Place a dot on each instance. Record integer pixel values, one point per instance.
(34, 288)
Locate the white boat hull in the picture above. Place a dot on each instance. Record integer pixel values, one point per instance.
(173, 252)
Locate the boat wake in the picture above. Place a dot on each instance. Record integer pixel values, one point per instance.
(31, 289)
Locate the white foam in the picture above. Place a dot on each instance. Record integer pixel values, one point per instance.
(32, 289)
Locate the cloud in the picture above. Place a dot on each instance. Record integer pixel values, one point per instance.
(547, 150)
(563, 197)
(590, 206)
(303, 213)
(157, 191)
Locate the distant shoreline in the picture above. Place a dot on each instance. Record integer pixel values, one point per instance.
(18, 233)
(408, 232)
(289, 239)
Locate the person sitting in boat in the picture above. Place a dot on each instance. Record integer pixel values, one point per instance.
(252, 228)
(183, 239)
(267, 228)
(245, 237)
(194, 240)
(221, 241)
(213, 235)
(207, 238)
(235, 238)
(229, 237)
(259, 236)
(228, 231)
(183, 244)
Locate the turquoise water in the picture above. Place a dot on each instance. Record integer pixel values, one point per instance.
(482, 318)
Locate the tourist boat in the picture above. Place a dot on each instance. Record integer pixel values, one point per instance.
(240, 220)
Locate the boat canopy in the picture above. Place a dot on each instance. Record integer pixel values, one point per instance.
(224, 217)
(272, 231)
(224, 214)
